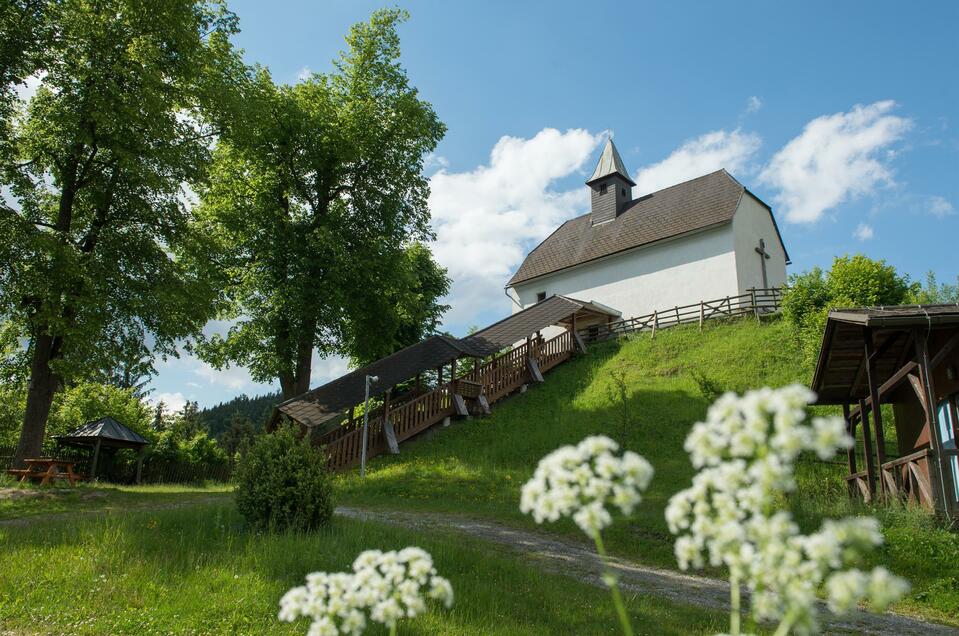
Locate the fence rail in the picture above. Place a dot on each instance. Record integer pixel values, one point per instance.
(756, 302)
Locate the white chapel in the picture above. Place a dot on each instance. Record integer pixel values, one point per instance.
(702, 239)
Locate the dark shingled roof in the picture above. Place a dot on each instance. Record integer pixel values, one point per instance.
(839, 376)
(107, 429)
(693, 205)
(322, 403)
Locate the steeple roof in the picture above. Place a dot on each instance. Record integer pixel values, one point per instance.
(610, 163)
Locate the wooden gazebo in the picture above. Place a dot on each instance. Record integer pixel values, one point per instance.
(906, 356)
(105, 432)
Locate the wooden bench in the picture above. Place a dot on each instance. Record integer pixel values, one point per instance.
(46, 470)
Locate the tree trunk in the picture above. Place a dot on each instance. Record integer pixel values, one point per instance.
(43, 385)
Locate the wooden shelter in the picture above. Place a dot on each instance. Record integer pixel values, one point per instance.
(908, 357)
(105, 433)
(501, 358)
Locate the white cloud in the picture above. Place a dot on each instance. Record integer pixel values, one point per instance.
(699, 156)
(941, 207)
(28, 88)
(326, 369)
(836, 158)
(864, 232)
(486, 219)
(304, 73)
(172, 402)
(235, 378)
(753, 104)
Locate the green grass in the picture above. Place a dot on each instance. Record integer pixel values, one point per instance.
(197, 570)
(476, 467)
(100, 497)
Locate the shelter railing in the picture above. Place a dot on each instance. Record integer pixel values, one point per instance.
(499, 377)
(756, 302)
(907, 478)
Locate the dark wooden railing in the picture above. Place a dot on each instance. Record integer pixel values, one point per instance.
(907, 478)
(755, 302)
(499, 377)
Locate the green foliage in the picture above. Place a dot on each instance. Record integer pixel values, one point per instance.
(219, 419)
(853, 281)
(282, 483)
(932, 293)
(317, 208)
(92, 249)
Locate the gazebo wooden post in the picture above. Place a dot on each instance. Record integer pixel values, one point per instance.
(453, 370)
(140, 455)
(932, 422)
(876, 405)
(96, 457)
(867, 447)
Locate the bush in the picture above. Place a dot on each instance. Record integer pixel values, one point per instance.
(282, 483)
(853, 281)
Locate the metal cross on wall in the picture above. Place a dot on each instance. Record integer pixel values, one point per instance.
(763, 257)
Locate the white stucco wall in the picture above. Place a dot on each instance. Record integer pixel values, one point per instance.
(752, 222)
(682, 271)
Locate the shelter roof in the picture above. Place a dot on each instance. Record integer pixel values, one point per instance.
(106, 429)
(840, 376)
(323, 403)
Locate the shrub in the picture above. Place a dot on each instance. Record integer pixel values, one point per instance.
(282, 483)
(853, 281)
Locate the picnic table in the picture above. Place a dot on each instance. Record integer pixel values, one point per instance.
(46, 470)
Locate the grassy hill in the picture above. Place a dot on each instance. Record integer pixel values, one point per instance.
(646, 393)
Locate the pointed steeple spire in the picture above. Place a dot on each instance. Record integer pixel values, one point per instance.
(610, 163)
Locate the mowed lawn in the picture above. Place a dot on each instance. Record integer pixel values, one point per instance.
(198, 570)
(476, 467)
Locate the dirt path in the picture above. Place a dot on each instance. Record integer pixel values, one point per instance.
(579, 560)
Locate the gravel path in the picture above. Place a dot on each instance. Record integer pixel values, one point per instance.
(579, 560)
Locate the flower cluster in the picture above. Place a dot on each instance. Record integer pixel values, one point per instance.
(387, 586)
(745, 452)
(580, 481)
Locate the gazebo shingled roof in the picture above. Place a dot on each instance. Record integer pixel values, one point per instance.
(106, 429)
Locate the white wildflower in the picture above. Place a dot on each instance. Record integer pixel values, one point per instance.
(582, 481)
(384, 587)
(745, 452)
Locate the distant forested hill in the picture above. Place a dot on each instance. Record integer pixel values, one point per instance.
(257, 409)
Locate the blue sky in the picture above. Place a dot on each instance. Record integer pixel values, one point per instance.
(842, 116)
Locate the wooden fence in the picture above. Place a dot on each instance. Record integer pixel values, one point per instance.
(755, 302)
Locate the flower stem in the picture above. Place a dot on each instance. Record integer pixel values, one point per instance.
(393, 629)
(785, 625)
(610, 577)
(734, 604)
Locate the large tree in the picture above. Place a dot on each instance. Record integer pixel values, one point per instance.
(318, 202)
(95, 215)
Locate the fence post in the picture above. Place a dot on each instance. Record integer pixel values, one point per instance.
(677, 315)
(655, 323)
(752, 291)
(702, 314)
